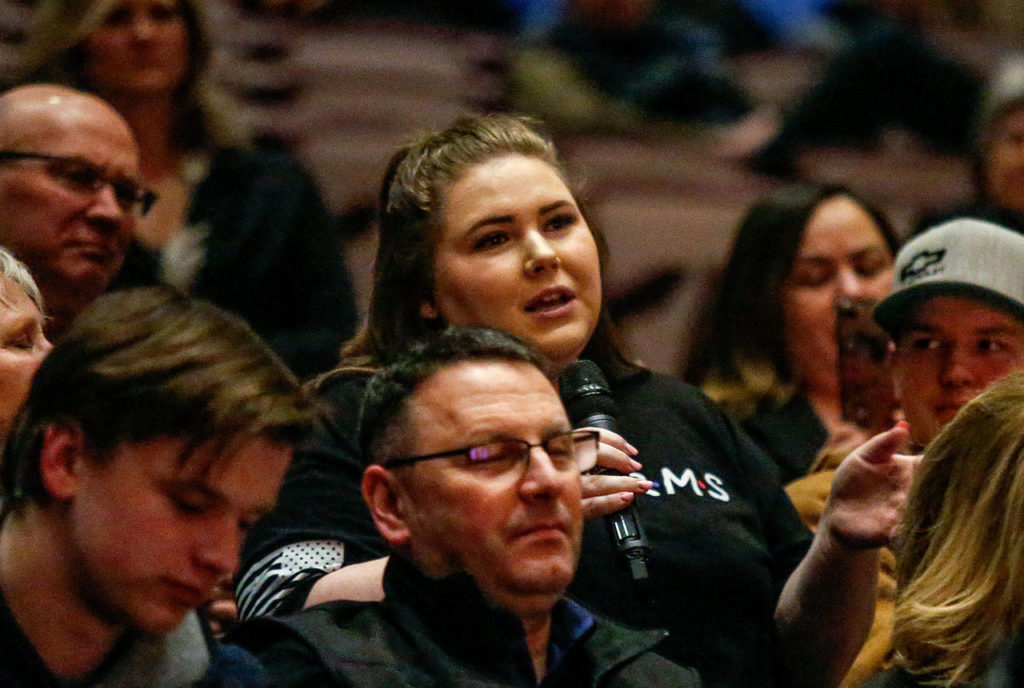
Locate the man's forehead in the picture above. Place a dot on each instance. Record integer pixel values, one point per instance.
(480, 393)
(961, 313)
(227, 470)
(66, 125)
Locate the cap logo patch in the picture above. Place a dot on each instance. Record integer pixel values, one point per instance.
(923, 264)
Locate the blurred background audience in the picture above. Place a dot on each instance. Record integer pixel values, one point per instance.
(765, 347)
(241, 226)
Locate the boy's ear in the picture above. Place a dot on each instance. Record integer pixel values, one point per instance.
(386, 501)
(61, 458)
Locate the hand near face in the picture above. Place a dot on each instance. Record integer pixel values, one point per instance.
(221, 610)
(844, 437)
(606, 493)
(870, 491)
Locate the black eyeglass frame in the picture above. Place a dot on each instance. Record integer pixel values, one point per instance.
(141, 197)
(577, 435)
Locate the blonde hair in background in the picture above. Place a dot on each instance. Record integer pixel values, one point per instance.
(53, 52)
(960, 562)
(14, 271)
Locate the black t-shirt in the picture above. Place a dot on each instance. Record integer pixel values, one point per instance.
(724, 536)
(791, 435)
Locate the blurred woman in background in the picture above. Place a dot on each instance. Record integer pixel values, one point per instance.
(242, 227)
(765, 348)
(997, 155)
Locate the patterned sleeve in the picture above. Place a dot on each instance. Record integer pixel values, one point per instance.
(265, 585)
(320, 522)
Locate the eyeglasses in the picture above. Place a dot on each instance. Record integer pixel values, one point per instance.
(576, 449)
(81, 176)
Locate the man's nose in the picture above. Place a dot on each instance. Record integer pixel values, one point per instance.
(956, 368)
(542, 477)
(217, 547)
(107, 214)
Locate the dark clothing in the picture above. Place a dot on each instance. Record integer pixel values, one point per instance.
(892, 678)
(792, 435)
(899, 678)
(980, 211)
(272, 255)
(1008, 668)
(188, 656)
(443, 632)
(669, 65)
(888, 75)
(724, 536)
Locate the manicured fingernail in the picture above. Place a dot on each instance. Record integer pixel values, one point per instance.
(626, 497)
(635, 465)
(644, 485)
(631, 450)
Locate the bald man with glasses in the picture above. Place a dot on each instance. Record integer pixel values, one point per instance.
(474, 483)
(69, 193)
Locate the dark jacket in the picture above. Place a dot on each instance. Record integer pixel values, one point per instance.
(431, 632)
(273, 256)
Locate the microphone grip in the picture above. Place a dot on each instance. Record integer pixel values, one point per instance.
(623, 525)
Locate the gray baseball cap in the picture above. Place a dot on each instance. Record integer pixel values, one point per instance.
(963, 257)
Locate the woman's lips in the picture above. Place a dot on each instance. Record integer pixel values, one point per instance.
(551, 301)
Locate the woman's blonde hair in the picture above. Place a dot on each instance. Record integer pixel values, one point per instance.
(961, 556)
(54, 52)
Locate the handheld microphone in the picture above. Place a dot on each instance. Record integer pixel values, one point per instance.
(588, 401)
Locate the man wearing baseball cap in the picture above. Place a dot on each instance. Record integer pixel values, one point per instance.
(956, 315)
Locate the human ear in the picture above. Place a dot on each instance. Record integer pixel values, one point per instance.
(385, 499)
(61, 458)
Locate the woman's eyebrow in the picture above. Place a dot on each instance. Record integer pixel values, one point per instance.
(553, 206)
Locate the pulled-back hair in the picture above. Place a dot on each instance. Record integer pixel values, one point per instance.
(739, 355)
(411, 207)
(143, 364)
(55, 52)
(383, 429)
(18, 274)
(960, 562)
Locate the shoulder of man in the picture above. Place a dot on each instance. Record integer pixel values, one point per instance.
(343, 639)
(625, 657)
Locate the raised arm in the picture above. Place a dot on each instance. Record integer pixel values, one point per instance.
(827, 605)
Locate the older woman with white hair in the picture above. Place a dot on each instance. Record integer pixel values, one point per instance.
(22, 342)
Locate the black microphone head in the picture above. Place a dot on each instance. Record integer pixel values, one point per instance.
(585, 392)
